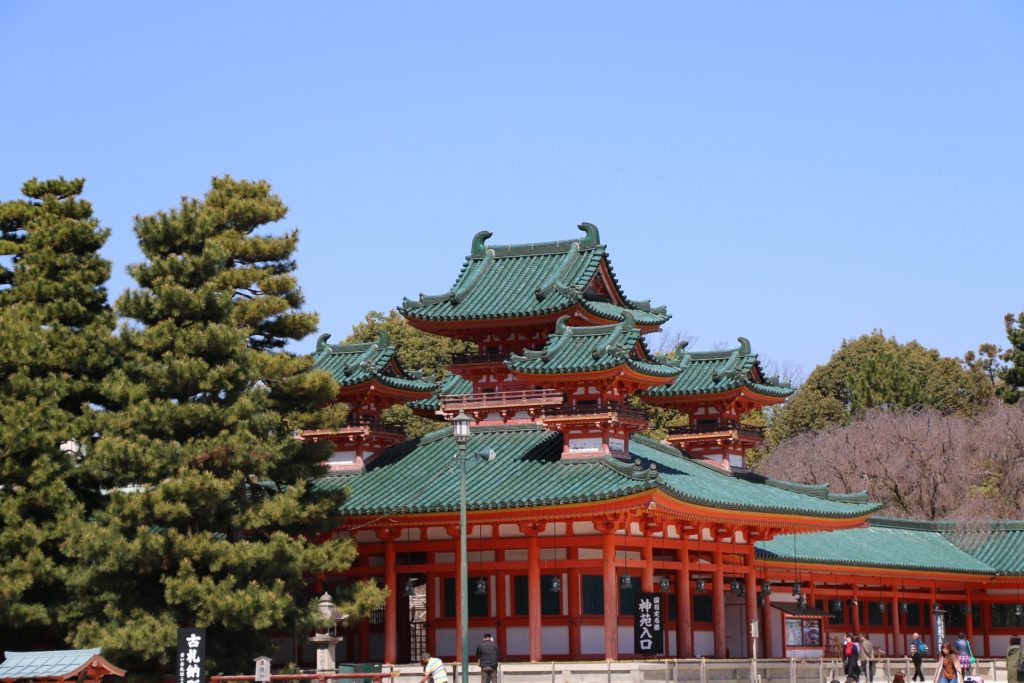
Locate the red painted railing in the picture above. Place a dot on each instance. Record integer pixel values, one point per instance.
(727, 426)
(501, 399)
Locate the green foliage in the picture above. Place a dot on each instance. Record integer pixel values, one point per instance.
(55, 345)
(660, 418)
(414, 425)
(210, 501)
(1012, 374)
(416, 350)
(874, 371)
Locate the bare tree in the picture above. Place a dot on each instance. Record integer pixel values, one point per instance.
(786, 371)
(921, 464)
(668, 339)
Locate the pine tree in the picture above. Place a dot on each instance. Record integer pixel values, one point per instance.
(210, 507)
(1012, 373)
(55, 348)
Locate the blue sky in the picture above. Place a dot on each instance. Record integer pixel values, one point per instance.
(793, 172)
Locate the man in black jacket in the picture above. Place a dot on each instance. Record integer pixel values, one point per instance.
(487, 653)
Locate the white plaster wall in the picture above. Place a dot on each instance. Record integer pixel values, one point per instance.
(444, 642)
(703, 644)
(342, 458)
(591, 640)
(517, 640)
(997, 645)
(625, 636)
(555, 640)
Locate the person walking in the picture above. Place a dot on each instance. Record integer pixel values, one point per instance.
(487, 655)
(867, 653)
(433, 670)
(918, 650)
(948, 670)
(851, 659)
(963, 648)
(1014, 662)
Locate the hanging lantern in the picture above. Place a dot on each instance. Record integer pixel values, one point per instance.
(665, 584)
(410, 587)
(796, 589)
(627, 580)
(837, 606)
(700, 584)
(1018, 610)
(736, 587)
(853, 602)
(801, 601)
(481, 586)
(904, 607)
(760, 600)
(555, 585)
(766, 588)
(881, 608)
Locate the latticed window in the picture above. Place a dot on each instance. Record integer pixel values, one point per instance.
(593, 595)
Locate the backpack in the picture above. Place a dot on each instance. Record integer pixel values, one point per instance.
(922, 649)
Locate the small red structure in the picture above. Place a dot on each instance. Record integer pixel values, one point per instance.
(82, 666)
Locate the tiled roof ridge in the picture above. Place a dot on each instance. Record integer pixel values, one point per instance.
(819, 491)
(591, 240)
(657, 445)
(945, 525)
(633, 470)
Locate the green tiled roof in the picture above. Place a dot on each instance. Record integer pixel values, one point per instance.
(419, 476)
(709, 372)
(705, 484)
(352, 364)
(452, 385)
(44, 664)
(641, 311)
(586, 349)
(1000, 545)
(524, 280)
(888, 543)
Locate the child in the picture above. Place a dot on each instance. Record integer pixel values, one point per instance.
(900, 677)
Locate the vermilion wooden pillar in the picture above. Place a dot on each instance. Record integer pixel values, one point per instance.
(391, 602)
(751, 581)
(575, 608)
(897, 640)
(969, 617)
(718, 603)
(611, 598)
(856, 609)
(684, 606)
(647, 572)
(533, 582)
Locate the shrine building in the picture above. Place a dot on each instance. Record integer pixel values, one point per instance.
(573, 512)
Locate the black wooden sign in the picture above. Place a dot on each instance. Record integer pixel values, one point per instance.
(191, 655)
(648, 636)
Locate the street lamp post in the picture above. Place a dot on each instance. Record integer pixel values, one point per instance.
(460, 428)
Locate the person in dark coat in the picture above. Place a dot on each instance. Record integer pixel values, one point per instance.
(487, 654)
(851, 658)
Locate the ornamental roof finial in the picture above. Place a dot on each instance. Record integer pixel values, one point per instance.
(478, 248)
(593, 238)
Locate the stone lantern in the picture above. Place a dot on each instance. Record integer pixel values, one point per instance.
(326, 641)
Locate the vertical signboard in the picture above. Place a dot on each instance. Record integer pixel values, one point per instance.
(191, 655)
(940, 628)
(648, 637)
